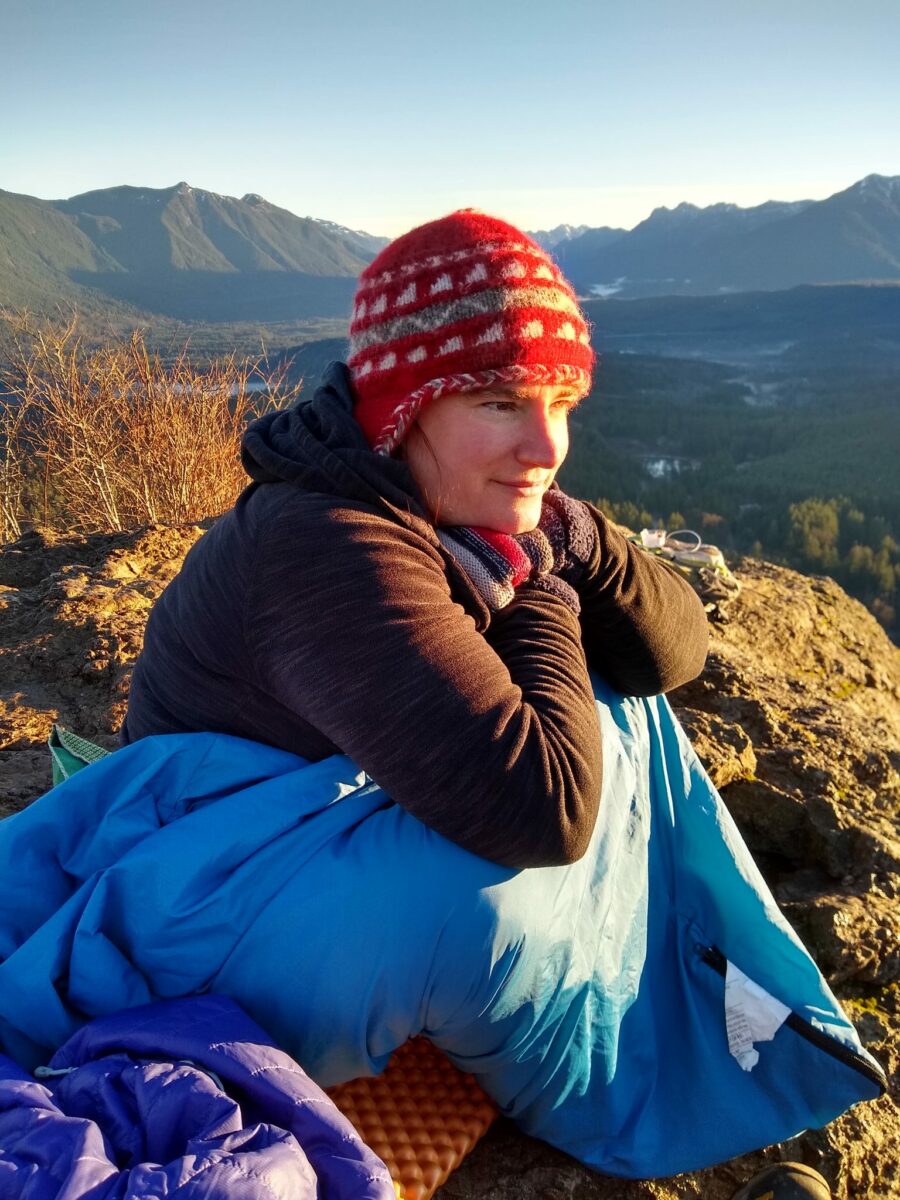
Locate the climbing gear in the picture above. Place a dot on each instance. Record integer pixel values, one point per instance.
(700, 562)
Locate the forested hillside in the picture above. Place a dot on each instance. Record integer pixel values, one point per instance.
(806, 473)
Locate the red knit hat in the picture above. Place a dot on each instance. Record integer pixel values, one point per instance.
(460, 304)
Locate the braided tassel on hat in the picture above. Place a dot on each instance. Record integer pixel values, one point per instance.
(461, 304)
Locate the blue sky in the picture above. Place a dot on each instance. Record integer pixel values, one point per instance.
(379, 116)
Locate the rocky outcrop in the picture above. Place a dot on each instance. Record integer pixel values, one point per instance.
(72, 616)
(797, 718)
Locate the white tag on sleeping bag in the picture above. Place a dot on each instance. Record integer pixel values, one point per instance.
(751, 1015)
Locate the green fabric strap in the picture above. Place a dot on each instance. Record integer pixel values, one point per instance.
(69, 753)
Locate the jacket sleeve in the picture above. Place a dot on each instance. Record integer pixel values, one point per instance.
(492, 741)
(643, 625)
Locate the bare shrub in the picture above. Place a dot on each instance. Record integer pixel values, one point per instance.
(112, 438)
(13, 458)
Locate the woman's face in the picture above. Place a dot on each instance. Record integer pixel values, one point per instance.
(486, 458)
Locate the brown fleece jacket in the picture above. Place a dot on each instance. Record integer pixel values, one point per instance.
(322, 615)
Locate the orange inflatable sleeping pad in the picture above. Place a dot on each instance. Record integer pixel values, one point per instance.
(421, 1116)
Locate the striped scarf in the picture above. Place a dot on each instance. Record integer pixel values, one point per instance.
(499, 563)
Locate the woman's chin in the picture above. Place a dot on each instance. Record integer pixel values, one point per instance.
(509, 513)
(521, 517)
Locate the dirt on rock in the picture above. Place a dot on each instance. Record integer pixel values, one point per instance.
(72, 616)
(796, 717)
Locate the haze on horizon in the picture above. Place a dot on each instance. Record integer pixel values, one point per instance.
(380, 117)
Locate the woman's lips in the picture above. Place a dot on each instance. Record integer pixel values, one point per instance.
(526, 487)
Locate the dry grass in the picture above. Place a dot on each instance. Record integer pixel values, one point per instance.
(115, 438)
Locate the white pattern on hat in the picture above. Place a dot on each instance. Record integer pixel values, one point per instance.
(487, 302)
(478, 272)
(451, 345)
(514, 270)
(494, 334)
(389, 360)
(566, 331)
(443, 283)
(380, 304)
(533, 329)
(417, 355)
(408, 294)
(543, 272)
(439, 260)
(363, 370)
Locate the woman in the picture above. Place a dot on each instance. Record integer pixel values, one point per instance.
(432, 607)
(403, 589)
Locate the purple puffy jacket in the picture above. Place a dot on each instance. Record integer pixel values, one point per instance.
(183, 1097)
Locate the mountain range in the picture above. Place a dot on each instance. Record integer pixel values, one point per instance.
(189, 254)
(851, 237)
(181, 252)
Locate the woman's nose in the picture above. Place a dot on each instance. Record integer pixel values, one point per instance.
(545, 440)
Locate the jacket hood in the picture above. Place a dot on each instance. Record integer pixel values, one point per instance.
(317, 445)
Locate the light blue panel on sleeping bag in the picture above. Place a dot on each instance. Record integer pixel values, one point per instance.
(586, 999)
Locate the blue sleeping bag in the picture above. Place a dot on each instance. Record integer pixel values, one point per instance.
(648, 1009)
